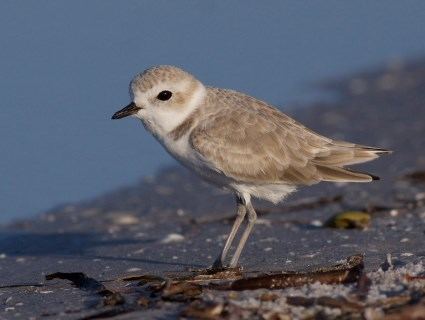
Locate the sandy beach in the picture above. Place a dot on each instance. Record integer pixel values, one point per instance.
(143, 251)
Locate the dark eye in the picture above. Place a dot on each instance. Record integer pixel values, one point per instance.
(164, 95)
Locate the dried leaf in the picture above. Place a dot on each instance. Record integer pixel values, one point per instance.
(343, 273)
(144, 278)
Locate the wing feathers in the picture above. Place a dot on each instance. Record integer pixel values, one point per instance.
(250, 141)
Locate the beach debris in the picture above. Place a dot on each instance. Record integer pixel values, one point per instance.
(186, 287)
(346, 272)
(181, 291)
(350, 220)
(144, 279)
(342, 289)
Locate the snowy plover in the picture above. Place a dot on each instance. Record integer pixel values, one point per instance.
(238, 142)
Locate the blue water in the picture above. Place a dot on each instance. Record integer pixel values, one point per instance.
(65, 68)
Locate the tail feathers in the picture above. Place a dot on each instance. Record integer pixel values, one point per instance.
(343, 154)
(335, 174)
(330, 163)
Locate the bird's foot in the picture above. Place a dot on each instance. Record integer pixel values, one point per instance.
(218, 265)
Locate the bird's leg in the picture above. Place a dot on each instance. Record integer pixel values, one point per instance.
(252, 216)
(219, 262)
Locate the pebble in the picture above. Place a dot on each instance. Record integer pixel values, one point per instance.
(394, 213)
(172, 237)
(139, 251)
(420, 196)
(125, 219)
(316, 223)
(407, 254)
(266, 222)
(133, 269)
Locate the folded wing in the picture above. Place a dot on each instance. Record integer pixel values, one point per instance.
(258, 143)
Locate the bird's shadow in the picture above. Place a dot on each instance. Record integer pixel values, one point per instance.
(72, 244)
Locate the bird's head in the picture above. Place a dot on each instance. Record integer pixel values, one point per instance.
(163, 96)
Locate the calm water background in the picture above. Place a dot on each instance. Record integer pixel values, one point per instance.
(65, 68)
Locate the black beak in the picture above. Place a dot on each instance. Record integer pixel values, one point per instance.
(126, 111)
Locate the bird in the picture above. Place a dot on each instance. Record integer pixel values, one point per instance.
(238, 143)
